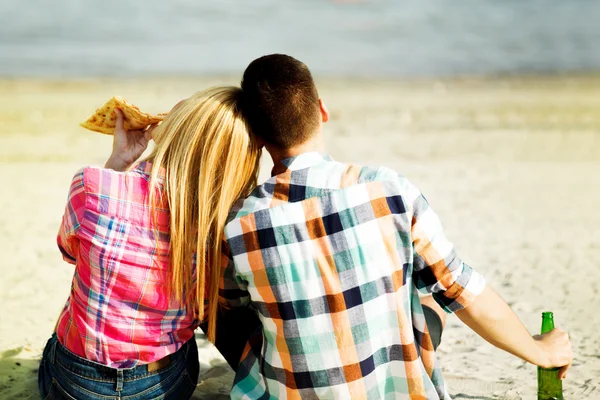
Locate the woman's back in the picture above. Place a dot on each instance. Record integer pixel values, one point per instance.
(119, 313)
(139, 291)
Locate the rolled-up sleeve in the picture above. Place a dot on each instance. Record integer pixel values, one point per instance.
(232, 290)
(68, 241)
(436, 267)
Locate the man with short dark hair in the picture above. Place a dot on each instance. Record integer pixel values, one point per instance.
(332, 257)
(267, 85)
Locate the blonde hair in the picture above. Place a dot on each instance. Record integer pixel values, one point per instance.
(209, 161)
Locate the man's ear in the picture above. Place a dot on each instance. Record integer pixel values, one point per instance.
(324, 111)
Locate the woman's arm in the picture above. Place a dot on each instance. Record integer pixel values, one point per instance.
(67, 240)
(128, 146)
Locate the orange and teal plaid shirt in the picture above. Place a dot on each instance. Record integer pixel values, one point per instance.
(331, 257)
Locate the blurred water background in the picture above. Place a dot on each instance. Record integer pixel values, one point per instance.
(374, 38)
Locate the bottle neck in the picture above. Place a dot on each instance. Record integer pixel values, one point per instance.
(547, 322)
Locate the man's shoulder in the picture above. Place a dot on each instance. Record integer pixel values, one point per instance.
(377, 173)
(338, 175)
(258, 199)
(385, 175)
(324, 178)
(393, 183)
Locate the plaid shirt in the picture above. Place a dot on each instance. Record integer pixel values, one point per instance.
(118, 312)
(331, 256)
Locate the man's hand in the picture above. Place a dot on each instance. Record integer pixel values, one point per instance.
(556, 347)
(492, 319)
(128, 146)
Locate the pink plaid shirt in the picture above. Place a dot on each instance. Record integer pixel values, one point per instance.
(118, 312)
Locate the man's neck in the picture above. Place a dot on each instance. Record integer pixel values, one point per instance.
(278, 155)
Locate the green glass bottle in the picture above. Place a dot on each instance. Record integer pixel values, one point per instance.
(549, 386)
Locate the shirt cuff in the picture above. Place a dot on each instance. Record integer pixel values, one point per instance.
(66, 256)
(462, 292)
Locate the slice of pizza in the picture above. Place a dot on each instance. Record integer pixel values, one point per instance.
(104, 119)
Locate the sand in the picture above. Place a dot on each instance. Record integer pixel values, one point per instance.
(511, 165)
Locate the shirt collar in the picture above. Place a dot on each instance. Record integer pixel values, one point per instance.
(145, 168)
(305, 160)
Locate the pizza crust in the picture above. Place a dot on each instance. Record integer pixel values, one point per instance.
(104, 119)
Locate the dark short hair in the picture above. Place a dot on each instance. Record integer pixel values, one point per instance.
(280, 100)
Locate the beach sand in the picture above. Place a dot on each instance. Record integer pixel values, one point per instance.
(511, 165)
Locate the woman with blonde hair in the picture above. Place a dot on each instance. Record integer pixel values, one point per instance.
(133, 233)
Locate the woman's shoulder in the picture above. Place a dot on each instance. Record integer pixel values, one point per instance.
(104, 181)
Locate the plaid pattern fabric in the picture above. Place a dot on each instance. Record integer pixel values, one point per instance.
(118, 312)
(331, 257)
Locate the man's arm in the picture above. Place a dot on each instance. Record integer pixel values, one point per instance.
(236, 324)
(492, 319)
(232, 290)
(437, 269)
(458, 288)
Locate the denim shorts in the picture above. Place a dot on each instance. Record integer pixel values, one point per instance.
(64, 375)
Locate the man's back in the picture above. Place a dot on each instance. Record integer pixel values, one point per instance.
(330, 255)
